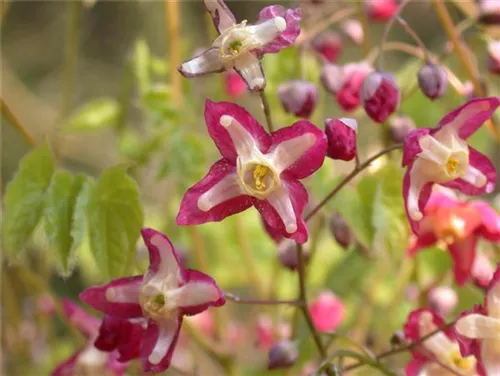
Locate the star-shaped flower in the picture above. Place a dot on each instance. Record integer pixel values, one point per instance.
(163, 295)
(257, 169)
(442, 156)
(240, 46)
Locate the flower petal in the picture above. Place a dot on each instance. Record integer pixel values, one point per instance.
(205, 63)
(490, 357)
(222, 16)
(463, 253)
(416, 193)
(159, 344)
(119, 298)
(490, 228)
(423, 240)
(199, 293)
(492, 300)
(163, 258)
(478, 326)
(469, 117)
(250, 69)
(66, 367)
(411, 146)
(218, 194)
(214, 111)
(413, 367)
(283, 210)
(87, 324)
(287, 36)
(298, 150)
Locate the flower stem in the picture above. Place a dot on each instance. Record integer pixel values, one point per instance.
(237, 299)
(351, 176)
(172, 11)
(267, 111)
(14, 121)
(415, 37)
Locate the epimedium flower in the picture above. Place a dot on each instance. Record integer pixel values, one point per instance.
(379, 95)
(433, 80)
(442, 156)
(163, 295)
(240, 46)
(257, 169)
(348, 85)
(298, 97)
(482, 325)
(269, 332)
(442, 348)
(342, 138)
(328, 45)
(458, 226)
(88, 360)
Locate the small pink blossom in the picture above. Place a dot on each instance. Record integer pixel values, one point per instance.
(342, 138)
(482, 270)
(234, 84)
(257, 169)
(269, 332)
(380, 96)
(298, 97)
(353, 30)
(327, 311)
(350, 83)
(380, 10)
(328, 45)
(442, 299)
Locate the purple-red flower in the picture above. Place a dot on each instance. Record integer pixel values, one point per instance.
(89, 360)
(380, 10)
(328, 45)
(341, 136)
(349, 84)
(442, 299)
(298, 97)
(482, 326)
(458, 225)
(353, 30)
(380, 96)
(163, 295)
(442, 348)
(240, 46)
(257, 169)
(494, 57)
(269, 332)
(327, 311)
(442, 156)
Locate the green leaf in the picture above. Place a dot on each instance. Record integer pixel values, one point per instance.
(24, 199)
(63, 193)
(97, 114)
(115, 218)
(142, 57)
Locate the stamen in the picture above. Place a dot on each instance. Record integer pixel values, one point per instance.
(452, 166)
(259, 173)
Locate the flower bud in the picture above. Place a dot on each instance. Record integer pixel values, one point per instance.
(298, 97)
(328, 45)
(489, 12)
(433, 81)
(341, 231)
(287, 254)
(380, 96)
(482, 270)
(327, 312)
(331, 76)
(46, 305)
(353, 75)
(443, 300)
(468, 91)
(400, 126)
(341, 136)
(234, 84)
(283, 354)
(380, 10)
(353, 30)
(494, 57)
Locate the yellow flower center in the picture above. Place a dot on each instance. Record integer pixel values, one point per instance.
(259, 174)
(234, 47)
(452, 166)
(461, 363)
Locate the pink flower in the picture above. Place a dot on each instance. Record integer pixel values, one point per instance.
(241, 46)
(328, 45)
(268, 333)
(257, 169)
(89, 360)
(349, 85)
(433, 81)
(494, 57)
(380, 96)
(459, 225)
(298, 97)
(341, 136)
(353, 30)
(327, 312)
(442, 299)
(482, 271)
(380, 10)
(489, 12)
(235, 86)
(442, 347)
(442, 156)
(482, 326)
(163, 296)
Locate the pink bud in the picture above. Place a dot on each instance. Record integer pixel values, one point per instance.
(489, 12)
(482, 270)
(353, 30)
(341, 136)
(494, 57)
(380, 96)
(331, 77)
(443, 300)
(380, 10)
(46, 305)
(341, 231)
(268, 333)
(298, 97)
(353, 75)
(400, 126)
(327, 312)
(282, 355)
(433, 81)
(468, 91)
(328, 45)
(287, 254)
(235, 86)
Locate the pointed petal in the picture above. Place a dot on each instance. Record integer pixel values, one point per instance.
(469, 117)
(214, 197)
(119, 298)
(214, 111)
(205, 63)
(416, 193)
(298, 150)
(199, 293)
(490, 357)
(440, 198)
(159, 343)
(284, 209)
(249, 68)
(87, 324)
(463, 253)
(265, 32)
(66, 367)
(478, 326)
(163, 258)
(492, 300)
(490, 228)
(222, 16)
(413, 367)
(424, 240)
(411, 145)
(287, 36)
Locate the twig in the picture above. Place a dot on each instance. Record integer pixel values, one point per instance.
(267, 111)
(415, 37)
(14, 121)
(239, 300)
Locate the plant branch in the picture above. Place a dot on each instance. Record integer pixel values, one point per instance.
(14, 121)
(415, 37)
(267, 111)
(239, 300)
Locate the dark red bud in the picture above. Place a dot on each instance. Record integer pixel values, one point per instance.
(400, 126)
(328, 45)
(380, 96)
(340, 231)
(433, 81)
(282, 354)
(341, 136)
(287, 254)
(353, 75)
(298, 97)
(489, 12)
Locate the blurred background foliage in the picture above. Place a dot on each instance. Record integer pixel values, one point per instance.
(94, 81)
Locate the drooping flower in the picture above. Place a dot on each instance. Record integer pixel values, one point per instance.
(298, 97)
(380, 10)
(442, 156)
(257, 169)
(380, 96)
(442, 348)
(400, 126)
(234, 84)
(328, 45)
(353, 30)
(163, 296)
(282, 355)
(341, 231)
(342, 138)
(482, 271)
(482, 325)
(287, 254)
(89, 360)
(442, 299)
(350, 83)
(241, 46)
(327, 311)
(433, 81)
(494, 57)
(458, 225)
(269, 332)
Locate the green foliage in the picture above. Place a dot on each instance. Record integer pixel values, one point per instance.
(115, 218)
(142, 57)
(24, 199)
(94, 115)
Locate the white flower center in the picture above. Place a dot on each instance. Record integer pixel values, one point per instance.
(258, 178)
(159, 297)
(92, 362)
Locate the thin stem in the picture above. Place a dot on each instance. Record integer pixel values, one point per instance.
(239, 300)
(14, 121)
(415, 37)
(349, 177)
(267, 111)
(172, 11)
